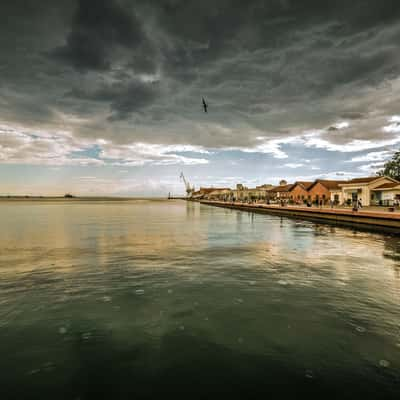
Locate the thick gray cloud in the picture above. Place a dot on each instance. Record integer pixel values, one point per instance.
(99, 28)
(135, 71)
(123, 97)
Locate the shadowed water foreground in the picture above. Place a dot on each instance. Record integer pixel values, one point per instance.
(144, 299)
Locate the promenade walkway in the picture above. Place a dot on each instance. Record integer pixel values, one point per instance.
(367, 216)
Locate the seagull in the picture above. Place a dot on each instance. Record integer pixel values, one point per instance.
(205, 105)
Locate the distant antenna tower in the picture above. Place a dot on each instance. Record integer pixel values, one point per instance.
(189, 189)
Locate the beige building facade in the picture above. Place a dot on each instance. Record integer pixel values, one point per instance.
(364, 189)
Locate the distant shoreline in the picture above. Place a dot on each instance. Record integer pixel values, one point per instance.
(75, 199)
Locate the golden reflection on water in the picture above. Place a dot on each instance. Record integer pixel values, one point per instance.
(172, 234)
(34, 232)
(138, 273)
(65, 233)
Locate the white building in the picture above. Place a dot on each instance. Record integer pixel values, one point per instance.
(370, 190)
(386, 194)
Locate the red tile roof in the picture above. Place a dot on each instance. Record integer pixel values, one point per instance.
(329, 184)
(281, 188)
(364, 180)
(387, 185)
(306, 185)
(209, 190)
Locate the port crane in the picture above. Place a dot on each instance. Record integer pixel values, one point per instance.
(189, 189)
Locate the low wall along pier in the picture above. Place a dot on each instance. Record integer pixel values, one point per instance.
(387, 220)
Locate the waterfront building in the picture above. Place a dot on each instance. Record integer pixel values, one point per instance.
(243, 193)
(220, 194)
(322, 189)
(299, 192)
(204, 193)
(375, 190)
(281, 192)
(240, 186)
(386, 194)
(198, 195)
(217, 193)
(266, 186)
(262, 192)
(370, 190)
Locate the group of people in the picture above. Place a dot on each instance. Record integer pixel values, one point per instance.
(356, 203)
(284, 202)
(308, 203)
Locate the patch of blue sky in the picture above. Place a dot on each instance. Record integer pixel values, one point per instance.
(192, 154)
(91, 152)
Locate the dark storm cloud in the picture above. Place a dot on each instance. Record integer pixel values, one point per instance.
(352, 115)
(98, 28)
(122, 97)
(332, 128)
(203, 30)
(268, 68)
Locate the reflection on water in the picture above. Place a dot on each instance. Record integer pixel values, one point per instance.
(142, 299)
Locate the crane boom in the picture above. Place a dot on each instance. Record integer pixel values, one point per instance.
(189, 189)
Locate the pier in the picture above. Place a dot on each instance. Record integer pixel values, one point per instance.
(373, 219)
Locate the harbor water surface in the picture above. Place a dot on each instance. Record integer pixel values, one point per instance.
(151, 298)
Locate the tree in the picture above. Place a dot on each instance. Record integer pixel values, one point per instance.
(392, 167)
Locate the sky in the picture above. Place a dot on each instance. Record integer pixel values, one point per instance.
(103, 97)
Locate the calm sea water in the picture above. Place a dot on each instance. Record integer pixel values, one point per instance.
(144, 299)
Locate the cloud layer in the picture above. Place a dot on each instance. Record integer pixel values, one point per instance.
(119, 82)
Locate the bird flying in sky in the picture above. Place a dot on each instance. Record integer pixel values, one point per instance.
(205, 105)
